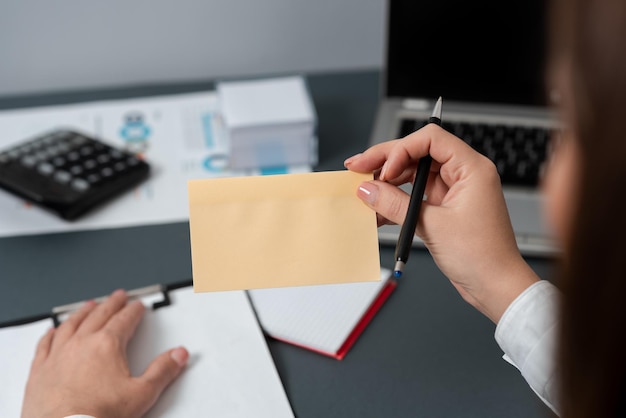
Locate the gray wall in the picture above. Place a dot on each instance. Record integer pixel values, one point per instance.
(51, 45)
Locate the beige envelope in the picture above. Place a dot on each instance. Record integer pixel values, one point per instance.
(281, 230)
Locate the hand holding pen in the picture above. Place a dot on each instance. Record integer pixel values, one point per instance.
(464, 224)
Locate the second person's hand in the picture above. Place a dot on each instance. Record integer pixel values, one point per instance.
(81, 367)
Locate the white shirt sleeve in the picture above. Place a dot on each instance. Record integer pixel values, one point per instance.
(527, 333)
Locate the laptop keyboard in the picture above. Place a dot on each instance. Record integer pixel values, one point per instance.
(519, 152)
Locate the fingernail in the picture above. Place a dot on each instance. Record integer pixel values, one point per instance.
(368, 192)
(180, 356)
(351, 160)
(381, 176)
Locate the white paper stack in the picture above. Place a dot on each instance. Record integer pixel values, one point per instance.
(270, 122)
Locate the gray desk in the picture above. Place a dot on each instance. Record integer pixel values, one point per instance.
(426, 354)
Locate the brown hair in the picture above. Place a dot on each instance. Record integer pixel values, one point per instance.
(591, 35)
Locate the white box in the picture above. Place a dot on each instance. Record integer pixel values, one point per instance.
(270, 122)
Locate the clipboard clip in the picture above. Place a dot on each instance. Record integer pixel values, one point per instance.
(155, 296)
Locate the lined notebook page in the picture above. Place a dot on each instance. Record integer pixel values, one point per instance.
(318, 317)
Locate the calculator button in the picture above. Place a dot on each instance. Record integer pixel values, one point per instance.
(86, 151)
(73, 156)
(98, 146)
(132, 161)
(29, 161)
(115, 154)
(80, 185)
(63, 147)
(62, 176)
(36, 144)
(76, 170)
(93, 178)
(119, 166)
(78, 140)
(106, 172)
(14, 153)
(58, 161)
(4, 158)
(45, 168)
(103, 159)
(90, 164)
(54, 150)
(46, 154)
(48, 139)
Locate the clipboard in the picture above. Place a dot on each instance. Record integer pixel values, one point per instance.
(229, 357)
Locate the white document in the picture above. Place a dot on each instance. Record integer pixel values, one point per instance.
(230, 372)
(181, 136)
(320, 318)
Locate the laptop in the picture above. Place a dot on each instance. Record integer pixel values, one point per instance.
(486, 60)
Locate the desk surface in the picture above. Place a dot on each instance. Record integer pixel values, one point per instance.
(426, 353)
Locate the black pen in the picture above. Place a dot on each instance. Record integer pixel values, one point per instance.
(405, 240)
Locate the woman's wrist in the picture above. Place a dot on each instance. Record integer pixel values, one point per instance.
(503, 288)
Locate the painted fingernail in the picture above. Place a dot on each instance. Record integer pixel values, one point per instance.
(351, 159)
(368, 192)
(180, 355)
(383, 170)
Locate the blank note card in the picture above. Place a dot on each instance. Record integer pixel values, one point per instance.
(283, 230)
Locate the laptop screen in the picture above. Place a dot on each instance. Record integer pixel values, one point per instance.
(486, 51)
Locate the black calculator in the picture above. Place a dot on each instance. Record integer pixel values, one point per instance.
(68, 172)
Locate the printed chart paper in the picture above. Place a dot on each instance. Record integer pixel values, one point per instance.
(182, 136)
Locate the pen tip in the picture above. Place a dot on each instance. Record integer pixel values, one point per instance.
(437, 109)
(398, 268)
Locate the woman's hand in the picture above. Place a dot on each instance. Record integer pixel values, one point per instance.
(81, 367)
(463, 222)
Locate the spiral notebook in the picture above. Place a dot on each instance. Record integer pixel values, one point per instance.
(327, 319)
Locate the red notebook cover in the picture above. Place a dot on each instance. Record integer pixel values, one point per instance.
(315, 313)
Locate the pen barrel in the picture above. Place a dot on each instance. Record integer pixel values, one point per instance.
(407, 231)
(435, 120)
(405, 239)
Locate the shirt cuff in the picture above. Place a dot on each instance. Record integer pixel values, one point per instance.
(527, 333)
